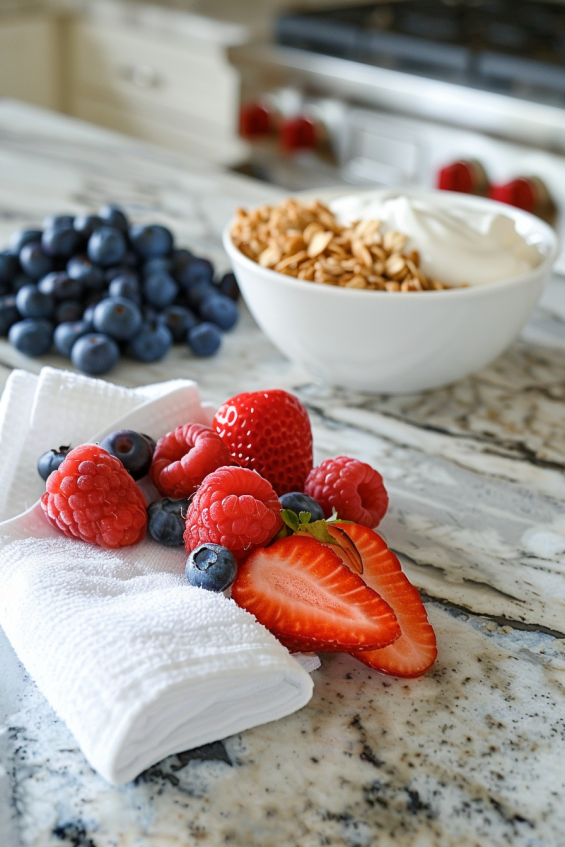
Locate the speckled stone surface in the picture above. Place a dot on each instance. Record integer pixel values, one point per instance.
(470, 755)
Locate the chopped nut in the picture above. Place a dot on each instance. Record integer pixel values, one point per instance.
(319, 242)
(270, 256)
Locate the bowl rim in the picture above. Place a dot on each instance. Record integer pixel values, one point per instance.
(466, 199)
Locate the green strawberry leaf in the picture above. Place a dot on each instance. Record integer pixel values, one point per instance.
(319, 530)
(291, 519)
(305, 517)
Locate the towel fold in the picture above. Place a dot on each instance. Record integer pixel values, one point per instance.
(138, 663)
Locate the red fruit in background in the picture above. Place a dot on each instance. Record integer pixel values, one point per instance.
(184, 457)
(415, 651)
(91, 496)
(353, 488)
(234, 507)
(268, 432)
(301, 590)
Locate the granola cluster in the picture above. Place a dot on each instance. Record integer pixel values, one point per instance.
(304, 240)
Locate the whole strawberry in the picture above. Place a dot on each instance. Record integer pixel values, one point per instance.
(268, 432)
(91, 496)
(236, 508)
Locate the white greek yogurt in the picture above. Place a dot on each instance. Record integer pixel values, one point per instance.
(456, 244)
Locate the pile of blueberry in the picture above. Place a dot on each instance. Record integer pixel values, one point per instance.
(97, 286)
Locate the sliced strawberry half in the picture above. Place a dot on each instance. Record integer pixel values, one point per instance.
(301, 590)
(415, 651)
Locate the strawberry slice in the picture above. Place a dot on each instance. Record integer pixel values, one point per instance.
(415, 651)
(301, 590)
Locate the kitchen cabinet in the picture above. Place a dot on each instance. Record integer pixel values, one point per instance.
(177, 91)
(29, 58)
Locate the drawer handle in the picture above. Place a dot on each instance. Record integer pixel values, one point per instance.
(142, 76)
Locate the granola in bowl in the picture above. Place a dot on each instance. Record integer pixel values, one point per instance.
(306, 241)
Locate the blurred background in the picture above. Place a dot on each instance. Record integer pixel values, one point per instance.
(467, 96)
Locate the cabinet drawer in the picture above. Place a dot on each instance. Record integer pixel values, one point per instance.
(130, 64)
(140, 122)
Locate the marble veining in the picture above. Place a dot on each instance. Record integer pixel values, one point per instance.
(470, 755)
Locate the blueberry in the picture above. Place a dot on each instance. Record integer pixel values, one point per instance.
(60, 242)
(195, 271)
(114, 216)
(22, 237)
(19, 281)
(106, 246)
(8, 266)
(151, 441)
(151, 241)
(198, 292)
(67, 333)
(58, 222)
(33, 303)
(95, 353)
(33, 260)
(118, 318)
(211, 566)
(179, 320)
(166, 521)
(61, 286)
(86, 224)
(220, 310)
(126, 285)
(9, 314)
(67, 311)
(159, 263)
(90, 275)
(132, 449)
(204, 339)
(228, 286)
(298, 502)
(50, 461)
(131, 259)
(118, 270)
(159, 289)
(151, 343)
(88, 315)
(32, 336)
(180, 258)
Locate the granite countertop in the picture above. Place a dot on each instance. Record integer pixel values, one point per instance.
(471, 754)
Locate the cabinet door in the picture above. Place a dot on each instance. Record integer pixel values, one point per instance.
(29, 59)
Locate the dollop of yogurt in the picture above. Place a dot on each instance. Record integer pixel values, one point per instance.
(457, 244)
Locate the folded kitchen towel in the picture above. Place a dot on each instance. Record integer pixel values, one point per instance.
(137, 662)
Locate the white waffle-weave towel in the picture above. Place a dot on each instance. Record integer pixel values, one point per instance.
(138, 663)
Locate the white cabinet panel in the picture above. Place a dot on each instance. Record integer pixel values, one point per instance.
(29, 59)
(129, 64)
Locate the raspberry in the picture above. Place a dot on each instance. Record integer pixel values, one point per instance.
(91, 496)
(268, 432)
(234, 507)
(353, 488)
(184, 457)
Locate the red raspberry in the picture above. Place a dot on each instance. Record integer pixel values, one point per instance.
(92, 496)
(184, 457)
(353, 488)
(234, 507)
(269, 432)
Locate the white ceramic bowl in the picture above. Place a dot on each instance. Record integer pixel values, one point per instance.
(394, 342)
